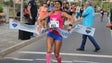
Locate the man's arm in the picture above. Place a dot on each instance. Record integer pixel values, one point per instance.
(29, 12)
(86, 12)
(29, 9)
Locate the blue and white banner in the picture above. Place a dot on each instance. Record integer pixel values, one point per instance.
(64, 33)
(84, 30)
(13, 24)
(29, 28)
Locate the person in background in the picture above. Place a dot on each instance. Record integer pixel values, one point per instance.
(102, 14)
(88, 20)
(48, 2)
(78, 12)
(51, 6)
(53, 36)
(65, 7)
(81, 10)
(72, 9)
(111, 15)
(32, 11)
(109, 25)
(43, 10)
(25, 11)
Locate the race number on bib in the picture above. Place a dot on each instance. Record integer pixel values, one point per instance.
(54, 24)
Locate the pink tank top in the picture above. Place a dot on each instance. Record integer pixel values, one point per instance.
(59, 18)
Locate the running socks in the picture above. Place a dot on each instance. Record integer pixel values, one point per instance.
(48, 58)
(59, 59)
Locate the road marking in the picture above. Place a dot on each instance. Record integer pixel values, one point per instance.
(70, 54)
(69, 61)
(19, 59)
(11, 49)
(84, 61)
(53, 60)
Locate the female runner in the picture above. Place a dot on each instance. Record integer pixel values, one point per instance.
(53, 36)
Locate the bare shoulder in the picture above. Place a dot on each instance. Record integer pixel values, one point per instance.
(64, 13)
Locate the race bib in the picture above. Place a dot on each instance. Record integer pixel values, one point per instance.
(54, 24)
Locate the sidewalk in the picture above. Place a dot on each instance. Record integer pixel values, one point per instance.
(8, 37)
(9, 41)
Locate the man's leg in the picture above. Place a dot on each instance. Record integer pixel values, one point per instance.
(97, 47)
(82, 47)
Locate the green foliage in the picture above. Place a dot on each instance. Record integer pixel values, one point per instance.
(7, 3)
(1, 9)
(41, 0)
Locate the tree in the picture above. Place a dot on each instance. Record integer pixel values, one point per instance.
(1, 9)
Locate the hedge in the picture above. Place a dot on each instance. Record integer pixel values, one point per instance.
(1, 9)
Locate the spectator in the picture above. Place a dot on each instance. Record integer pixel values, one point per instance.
(72, 9)
(32, 11)
(81, 10)
(102, 14)
(48, 2)
(78, 11)
(51, 6)
(109, 25)
(111, 16)
(88, 20)
(25, 11)
(43, 11)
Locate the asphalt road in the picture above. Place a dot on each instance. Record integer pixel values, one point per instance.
(35, 52)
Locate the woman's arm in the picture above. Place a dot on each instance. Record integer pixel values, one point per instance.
(47, 15)
(71, 19)
(109, 25)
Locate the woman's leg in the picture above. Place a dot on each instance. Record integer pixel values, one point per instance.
(57, 49)
(49, 44)
(44, 23)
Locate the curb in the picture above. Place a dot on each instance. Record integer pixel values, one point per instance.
(9, 50)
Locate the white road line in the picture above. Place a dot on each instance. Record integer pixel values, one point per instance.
(54, 60)
(70, 54)
(68, 61)
(85, 61)
(19, 59)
